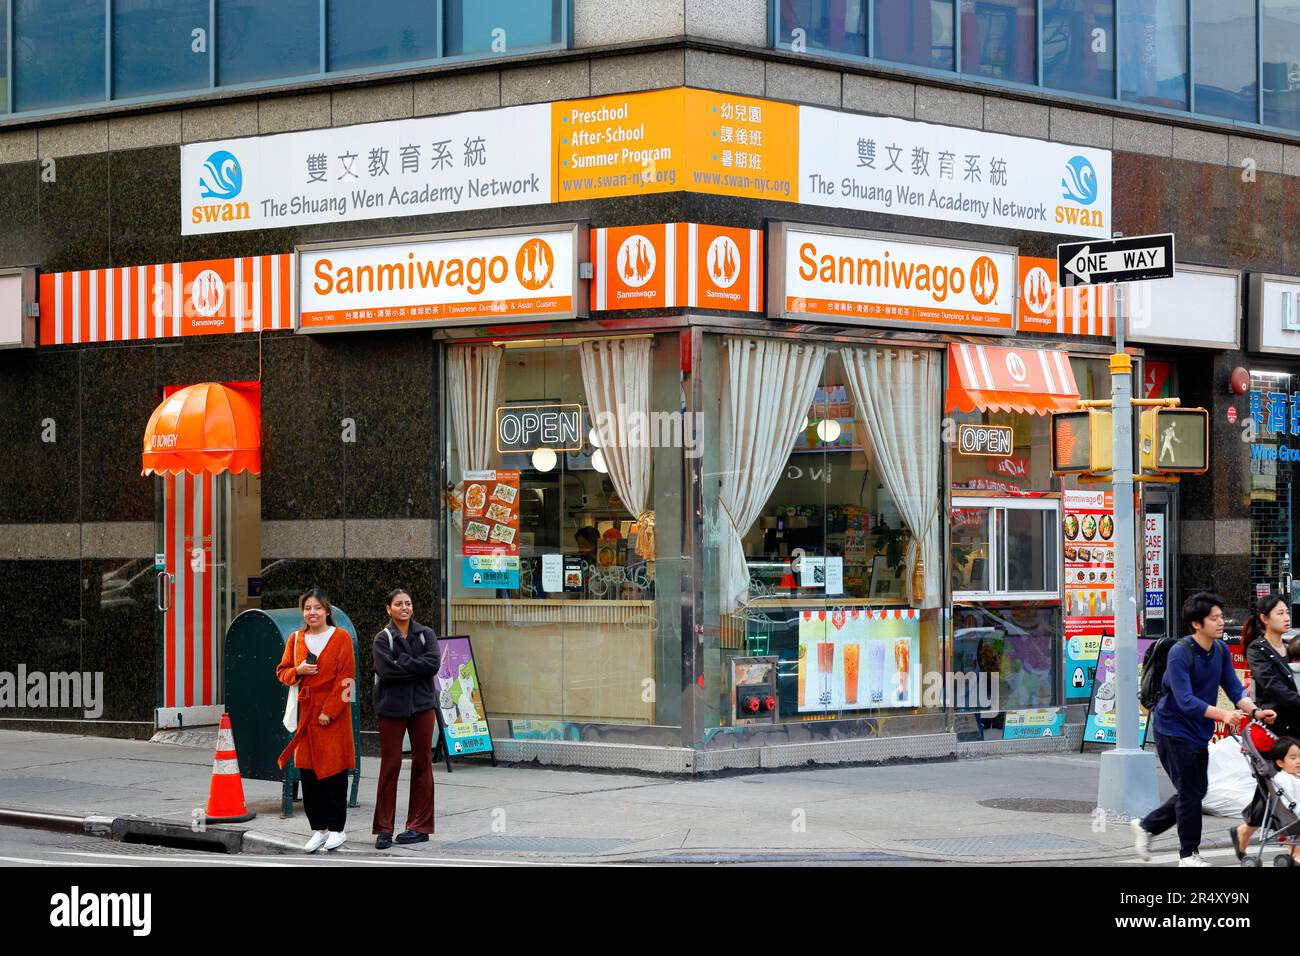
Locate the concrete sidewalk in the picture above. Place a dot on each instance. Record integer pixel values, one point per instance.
(1033, 809)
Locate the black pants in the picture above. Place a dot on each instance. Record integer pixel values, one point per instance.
(325, 799)
(1187, 763)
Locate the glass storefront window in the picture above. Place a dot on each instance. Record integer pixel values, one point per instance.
(501, 26)
(266, 41)
(1153, 55)
(556, 552)
(997, 39)
(377, 32)
(1005, 547)
(1225, 38)
(918, 32)
(838, 26)
(1281, 54)
(1079, 46)
(58, 52)
(154, 46)
(1013, 650)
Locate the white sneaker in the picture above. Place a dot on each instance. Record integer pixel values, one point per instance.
(1194, 860)
(1141, 840)
(335, 839)
(315, 842)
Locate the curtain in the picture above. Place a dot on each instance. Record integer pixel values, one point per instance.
(768, 386)
(896, 392)
(616, 376)
(472, 372)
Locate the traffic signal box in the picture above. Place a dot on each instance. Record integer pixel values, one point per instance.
(1175, 441)
(1081, 441)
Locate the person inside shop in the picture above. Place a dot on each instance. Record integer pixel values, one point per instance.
(1270, 665)
(1197, 666)
(587, 538)
(319, 667)
(407, 658)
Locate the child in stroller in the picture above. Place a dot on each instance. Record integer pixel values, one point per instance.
(1275, 764)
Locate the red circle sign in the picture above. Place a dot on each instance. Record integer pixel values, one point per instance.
(1232, 415)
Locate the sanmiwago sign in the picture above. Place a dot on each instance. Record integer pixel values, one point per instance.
(863, 279)
(455, 279)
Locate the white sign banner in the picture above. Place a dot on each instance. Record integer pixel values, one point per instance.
(412, 167)
(439, 281)
(858, 278)
(881, 164)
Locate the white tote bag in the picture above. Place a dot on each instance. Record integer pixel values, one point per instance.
(291, 705)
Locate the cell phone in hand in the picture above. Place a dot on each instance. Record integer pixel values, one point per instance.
(311, 658)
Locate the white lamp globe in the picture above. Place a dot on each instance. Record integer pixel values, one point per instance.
(544, 459)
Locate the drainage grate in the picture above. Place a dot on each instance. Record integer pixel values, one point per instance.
(503, 844)
(1003, 845)
(1039, 805)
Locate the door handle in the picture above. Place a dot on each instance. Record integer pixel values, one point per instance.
(164, 588)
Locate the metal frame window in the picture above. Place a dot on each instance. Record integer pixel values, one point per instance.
(777, 41)
(564, 21)
(998, 559)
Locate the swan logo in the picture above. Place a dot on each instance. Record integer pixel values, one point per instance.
(1080, 182)
(1038, 290)
(724, 262)
(636, 261)
(1016, 368)
(534, 264)
(222, 177)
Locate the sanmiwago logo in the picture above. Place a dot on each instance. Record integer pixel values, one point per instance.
(724, 262)
(534, 266)
(896, 272)
(75, 909)
(636, 261)
(223, 179)
(1079, 185)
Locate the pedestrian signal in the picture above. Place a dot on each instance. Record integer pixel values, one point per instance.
(1081, 442)
(1175, 440)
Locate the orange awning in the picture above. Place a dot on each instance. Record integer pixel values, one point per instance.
(204, 428)
(1035, 381)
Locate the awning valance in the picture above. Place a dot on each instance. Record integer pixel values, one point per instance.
(1031, 380)
(205, 428)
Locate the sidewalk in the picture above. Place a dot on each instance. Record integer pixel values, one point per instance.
(1033, 809)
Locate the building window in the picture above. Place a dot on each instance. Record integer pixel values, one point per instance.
(1281, 52)
(501, 26)
(1079, 46)
(4, 56)
(58, 52)
(266, 41)
(378, 32)
(838, 26)
(1153, 56)
(159, 46)
(997, 39)
(919, 33)
(1224, 34)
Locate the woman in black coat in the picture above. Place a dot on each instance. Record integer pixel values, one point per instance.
(406, 656)
(1270, 669)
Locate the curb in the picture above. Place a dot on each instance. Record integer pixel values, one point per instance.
(122, 828)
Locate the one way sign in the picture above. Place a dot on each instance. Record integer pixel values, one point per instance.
(1129, 259)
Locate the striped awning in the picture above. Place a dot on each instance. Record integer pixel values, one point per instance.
(1029, 380)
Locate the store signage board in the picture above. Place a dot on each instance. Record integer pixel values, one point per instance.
(526, 428)
(497, 276)
(460, 700)
(1045, 306)
(1129, 259)
(991, 440)
(633, 144)
(867, 279)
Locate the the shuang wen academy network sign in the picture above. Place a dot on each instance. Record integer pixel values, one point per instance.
(674, 140)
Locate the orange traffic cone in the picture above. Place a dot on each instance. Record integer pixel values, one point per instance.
(226, 795)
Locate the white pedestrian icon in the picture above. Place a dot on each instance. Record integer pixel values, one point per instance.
(1168, 440)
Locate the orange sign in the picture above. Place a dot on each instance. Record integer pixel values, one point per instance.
(740, 146)
(668, 265)
(1046, 307)
(208, 297)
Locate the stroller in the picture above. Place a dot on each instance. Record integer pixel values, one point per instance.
(1280, 827)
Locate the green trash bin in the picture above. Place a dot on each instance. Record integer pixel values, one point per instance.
(255, 699)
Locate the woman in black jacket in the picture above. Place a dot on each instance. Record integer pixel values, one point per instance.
(1270, 670)
(407, 657)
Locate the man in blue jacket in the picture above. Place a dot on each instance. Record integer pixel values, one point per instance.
(1197, 667)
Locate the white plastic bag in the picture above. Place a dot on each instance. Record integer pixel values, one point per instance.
(1232, 786)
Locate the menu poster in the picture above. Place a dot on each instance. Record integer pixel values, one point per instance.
(1101, 724)
(1088, 539)
(460, 700)
(858, 659)
(490, 513)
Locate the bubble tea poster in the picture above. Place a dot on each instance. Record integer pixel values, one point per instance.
(1088, 533)
(858, 659)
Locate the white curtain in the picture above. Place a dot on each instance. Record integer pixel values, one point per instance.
(616, 375)
(897, 395)
(472, 372)
(768, 386)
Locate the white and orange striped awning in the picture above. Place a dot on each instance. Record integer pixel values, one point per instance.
(1030, 380)
(208, 297)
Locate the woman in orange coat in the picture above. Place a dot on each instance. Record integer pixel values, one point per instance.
(318, 659)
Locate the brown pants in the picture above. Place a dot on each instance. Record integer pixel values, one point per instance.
(419, 811)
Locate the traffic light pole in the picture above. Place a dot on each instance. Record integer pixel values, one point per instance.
(1127, 785)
